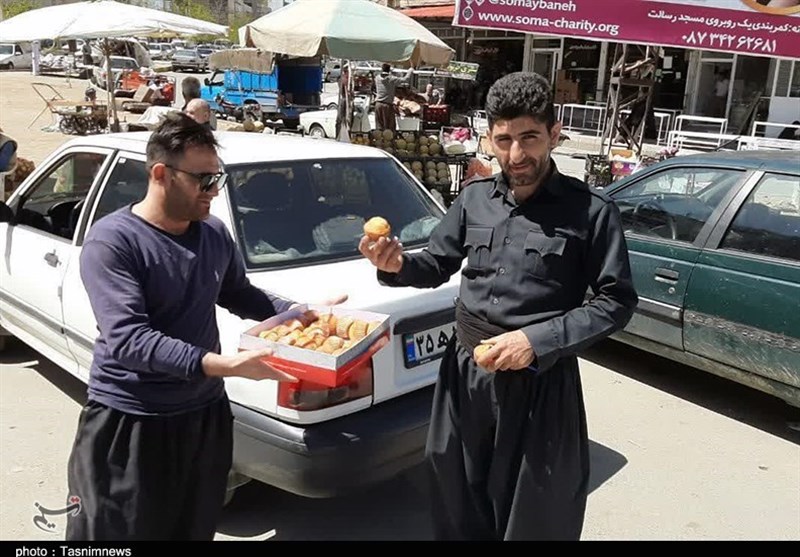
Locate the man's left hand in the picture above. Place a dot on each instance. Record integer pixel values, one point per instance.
(510, 351)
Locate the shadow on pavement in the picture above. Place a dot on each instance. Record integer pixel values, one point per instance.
(18, 353)
(723, 396)
(394, 510)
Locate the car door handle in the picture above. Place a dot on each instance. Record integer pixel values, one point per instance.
(667, 275)
(52, 259)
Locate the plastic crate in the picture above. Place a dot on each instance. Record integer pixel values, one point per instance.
(434, 117)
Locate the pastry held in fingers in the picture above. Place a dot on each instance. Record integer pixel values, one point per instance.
(376, 228)
(480, 354)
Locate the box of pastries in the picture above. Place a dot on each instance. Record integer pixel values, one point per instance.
(321, 344)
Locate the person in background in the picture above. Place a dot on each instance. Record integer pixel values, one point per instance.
(720, 98)
(508, 444)
(199, 111)
(86, 50)
(432, 95)
(154, 443)
(190, 89)
(385, 86)
(790, 133)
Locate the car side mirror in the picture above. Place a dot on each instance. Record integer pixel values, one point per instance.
(6, 213)
(207, 82)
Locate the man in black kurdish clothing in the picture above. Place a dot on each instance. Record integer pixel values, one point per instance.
(508, 446)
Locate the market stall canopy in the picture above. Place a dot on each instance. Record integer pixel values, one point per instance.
(246, 59)
(101, 18)
(349, 29)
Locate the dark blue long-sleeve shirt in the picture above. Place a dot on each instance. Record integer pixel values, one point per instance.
(153, 295)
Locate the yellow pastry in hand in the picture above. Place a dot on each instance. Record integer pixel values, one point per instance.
(377, 227)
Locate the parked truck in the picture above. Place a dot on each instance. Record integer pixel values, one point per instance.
(282, 92)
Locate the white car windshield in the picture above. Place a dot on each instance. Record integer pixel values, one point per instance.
(6, 49)
(302, 212)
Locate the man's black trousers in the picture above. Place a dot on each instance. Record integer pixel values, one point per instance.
(150, 477)
(508, 452)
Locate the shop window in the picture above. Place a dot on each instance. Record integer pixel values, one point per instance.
(787, 83)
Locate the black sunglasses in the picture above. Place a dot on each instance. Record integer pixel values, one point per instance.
(206, 180)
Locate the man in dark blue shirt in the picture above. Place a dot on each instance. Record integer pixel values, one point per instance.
(508, 444)
(154, 442)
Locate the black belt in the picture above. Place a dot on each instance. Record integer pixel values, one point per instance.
(471, 329)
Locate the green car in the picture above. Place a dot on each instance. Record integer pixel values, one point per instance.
(714, 243)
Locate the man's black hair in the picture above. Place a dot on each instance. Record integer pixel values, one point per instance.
(190, 87)
(386, 68)
(520, 94)
(177, 133)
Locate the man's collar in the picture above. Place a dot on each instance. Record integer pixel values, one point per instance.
(552, 183)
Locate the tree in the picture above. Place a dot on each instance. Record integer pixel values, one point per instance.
(237, 21)
(191, 8)
(10, 8)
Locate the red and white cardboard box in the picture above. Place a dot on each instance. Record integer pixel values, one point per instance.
(310, 365)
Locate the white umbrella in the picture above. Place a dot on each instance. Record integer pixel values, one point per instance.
(101, 18)
(348, 29)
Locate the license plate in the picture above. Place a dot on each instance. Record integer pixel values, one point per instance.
(428, 345)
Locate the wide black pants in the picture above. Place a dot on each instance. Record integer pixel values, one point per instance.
(508, 452)
(150, 477)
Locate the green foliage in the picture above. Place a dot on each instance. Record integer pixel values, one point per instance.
(237, 21)
(190, 8)
(16, 7)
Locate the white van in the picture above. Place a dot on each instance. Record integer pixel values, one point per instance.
(14, 56)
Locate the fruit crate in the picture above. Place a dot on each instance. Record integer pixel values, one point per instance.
(434, 117)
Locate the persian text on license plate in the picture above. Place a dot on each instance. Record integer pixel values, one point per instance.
(427, 345)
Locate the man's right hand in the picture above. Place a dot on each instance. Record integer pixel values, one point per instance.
(247, 364)
(386, 254)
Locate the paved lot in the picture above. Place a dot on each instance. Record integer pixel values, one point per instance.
(677, 454)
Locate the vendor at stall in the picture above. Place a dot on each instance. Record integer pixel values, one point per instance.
(385, 86)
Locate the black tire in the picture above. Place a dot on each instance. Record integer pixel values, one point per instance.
(3, 342)
(317, 131)
(65, 125)
(10, 66)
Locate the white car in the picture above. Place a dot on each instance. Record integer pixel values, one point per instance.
(322, 123)
(118, 65)
(296, 209)
(14, 57)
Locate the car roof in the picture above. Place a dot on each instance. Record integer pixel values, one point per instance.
(775, 161)
(783, 161)
(245, 147)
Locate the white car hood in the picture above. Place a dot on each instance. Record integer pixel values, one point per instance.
(4, 57)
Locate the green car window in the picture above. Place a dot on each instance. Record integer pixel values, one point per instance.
(674, 204)
(768, 223)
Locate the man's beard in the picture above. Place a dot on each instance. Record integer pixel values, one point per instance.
(533, 177)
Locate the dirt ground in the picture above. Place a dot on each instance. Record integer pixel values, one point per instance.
(20, 105)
